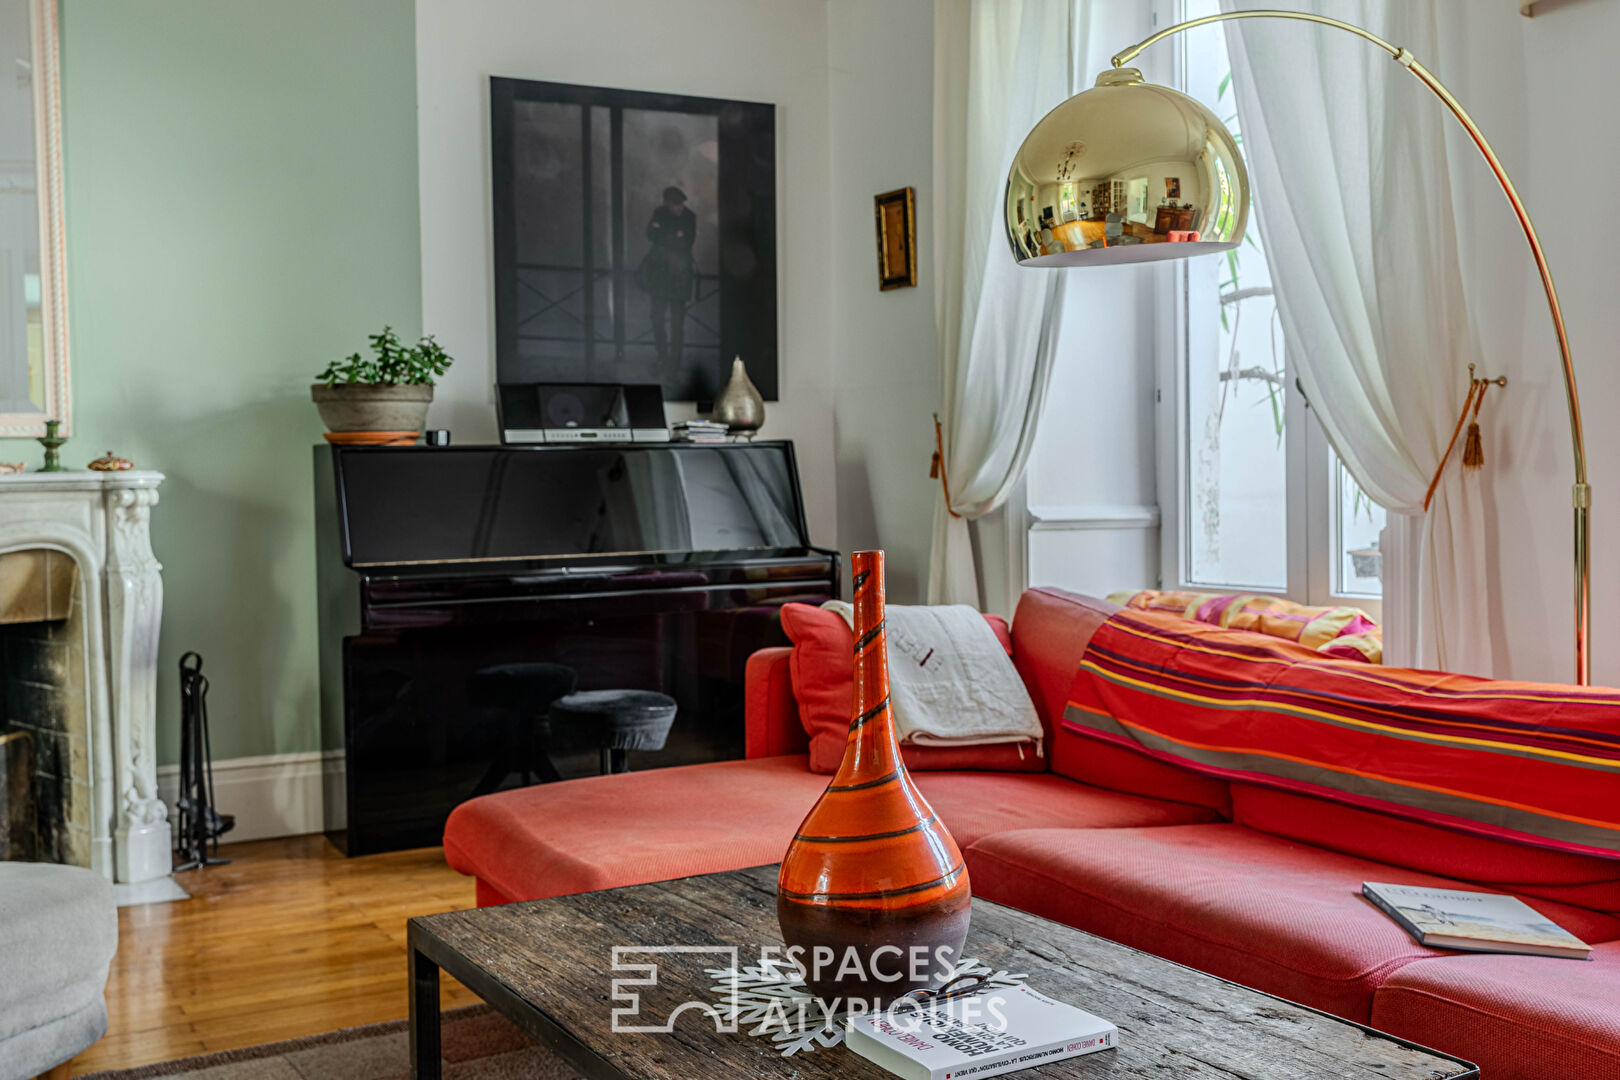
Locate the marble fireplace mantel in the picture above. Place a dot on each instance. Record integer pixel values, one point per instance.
(101, 521)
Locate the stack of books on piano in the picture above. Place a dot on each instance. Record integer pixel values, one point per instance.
(698, 431)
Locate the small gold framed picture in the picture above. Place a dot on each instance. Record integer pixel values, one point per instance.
(897, 238)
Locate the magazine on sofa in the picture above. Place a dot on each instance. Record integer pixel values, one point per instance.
(978, 1036)
(1476, 921)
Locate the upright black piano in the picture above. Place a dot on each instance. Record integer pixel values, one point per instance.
(639, 566)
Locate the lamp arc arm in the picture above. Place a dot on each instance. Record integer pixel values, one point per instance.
(1581, 494)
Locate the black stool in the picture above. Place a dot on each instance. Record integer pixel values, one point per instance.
(617, 721)
(525, 693)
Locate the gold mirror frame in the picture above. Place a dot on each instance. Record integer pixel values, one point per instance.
(52, 232)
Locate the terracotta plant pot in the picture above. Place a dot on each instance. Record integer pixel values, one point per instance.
(872, 872)
(392, 407)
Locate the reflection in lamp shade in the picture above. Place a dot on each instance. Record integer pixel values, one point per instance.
(1122, 137)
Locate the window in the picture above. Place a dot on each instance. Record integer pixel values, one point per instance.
(1357, 521)
(1262, 503)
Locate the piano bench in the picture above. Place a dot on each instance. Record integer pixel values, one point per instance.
(617, 721)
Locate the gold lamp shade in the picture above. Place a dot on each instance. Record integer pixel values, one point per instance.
(1125, 172)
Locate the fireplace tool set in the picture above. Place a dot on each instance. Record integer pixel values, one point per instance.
(198, 824)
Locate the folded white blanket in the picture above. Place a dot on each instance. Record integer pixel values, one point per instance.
(950, 681)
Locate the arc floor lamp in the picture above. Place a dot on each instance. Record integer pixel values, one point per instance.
(1090, 147)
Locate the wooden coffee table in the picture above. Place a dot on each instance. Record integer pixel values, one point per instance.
(548, 966)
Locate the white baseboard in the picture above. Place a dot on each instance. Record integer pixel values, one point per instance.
(272, 795)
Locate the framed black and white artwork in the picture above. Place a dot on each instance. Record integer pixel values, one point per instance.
(634, 237)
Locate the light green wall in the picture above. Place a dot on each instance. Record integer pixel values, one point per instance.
(241, 207)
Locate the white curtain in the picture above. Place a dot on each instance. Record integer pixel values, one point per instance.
(1352, 180)
(999, 66)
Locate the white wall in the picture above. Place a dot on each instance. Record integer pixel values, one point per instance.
(880, 71)
(755, 50)
(1544, 91)
(1574, 151)
(1092, 491)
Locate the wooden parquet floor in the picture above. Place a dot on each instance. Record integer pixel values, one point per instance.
(290, 939)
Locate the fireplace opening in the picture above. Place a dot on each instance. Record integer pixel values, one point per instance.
(44, 709)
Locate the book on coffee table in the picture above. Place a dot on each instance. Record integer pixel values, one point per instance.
(978, 1035)
(1475, 921)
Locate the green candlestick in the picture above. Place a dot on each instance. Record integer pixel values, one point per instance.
(52, 442)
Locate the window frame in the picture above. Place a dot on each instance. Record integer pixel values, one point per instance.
(1312, 508)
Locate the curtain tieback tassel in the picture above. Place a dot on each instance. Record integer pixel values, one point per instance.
(1473, 447)
(936, 469)
(1473, 452)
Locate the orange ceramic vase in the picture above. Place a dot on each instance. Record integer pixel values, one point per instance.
(873, 890)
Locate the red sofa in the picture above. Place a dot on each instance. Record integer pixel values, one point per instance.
(1246, 882)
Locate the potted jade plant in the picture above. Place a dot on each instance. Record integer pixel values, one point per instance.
(381, 398)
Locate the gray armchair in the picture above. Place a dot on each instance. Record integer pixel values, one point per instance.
(58, 933)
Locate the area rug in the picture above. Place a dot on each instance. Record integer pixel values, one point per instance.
(477, 1044)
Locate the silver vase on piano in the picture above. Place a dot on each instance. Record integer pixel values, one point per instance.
(739, 405)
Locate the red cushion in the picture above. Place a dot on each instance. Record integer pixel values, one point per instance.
(601, 832)
(1051, 630)
(1529, 762)
(823, 669)
(489, 896)
(1269, 913)
(1516, 1017)
(974, 805)
(1496, 865)
(606, 831)
(771, 712)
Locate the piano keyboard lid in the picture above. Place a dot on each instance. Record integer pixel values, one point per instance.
(421, 506)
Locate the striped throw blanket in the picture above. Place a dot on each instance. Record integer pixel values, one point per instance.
(1345, 632)
(1533, 763)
